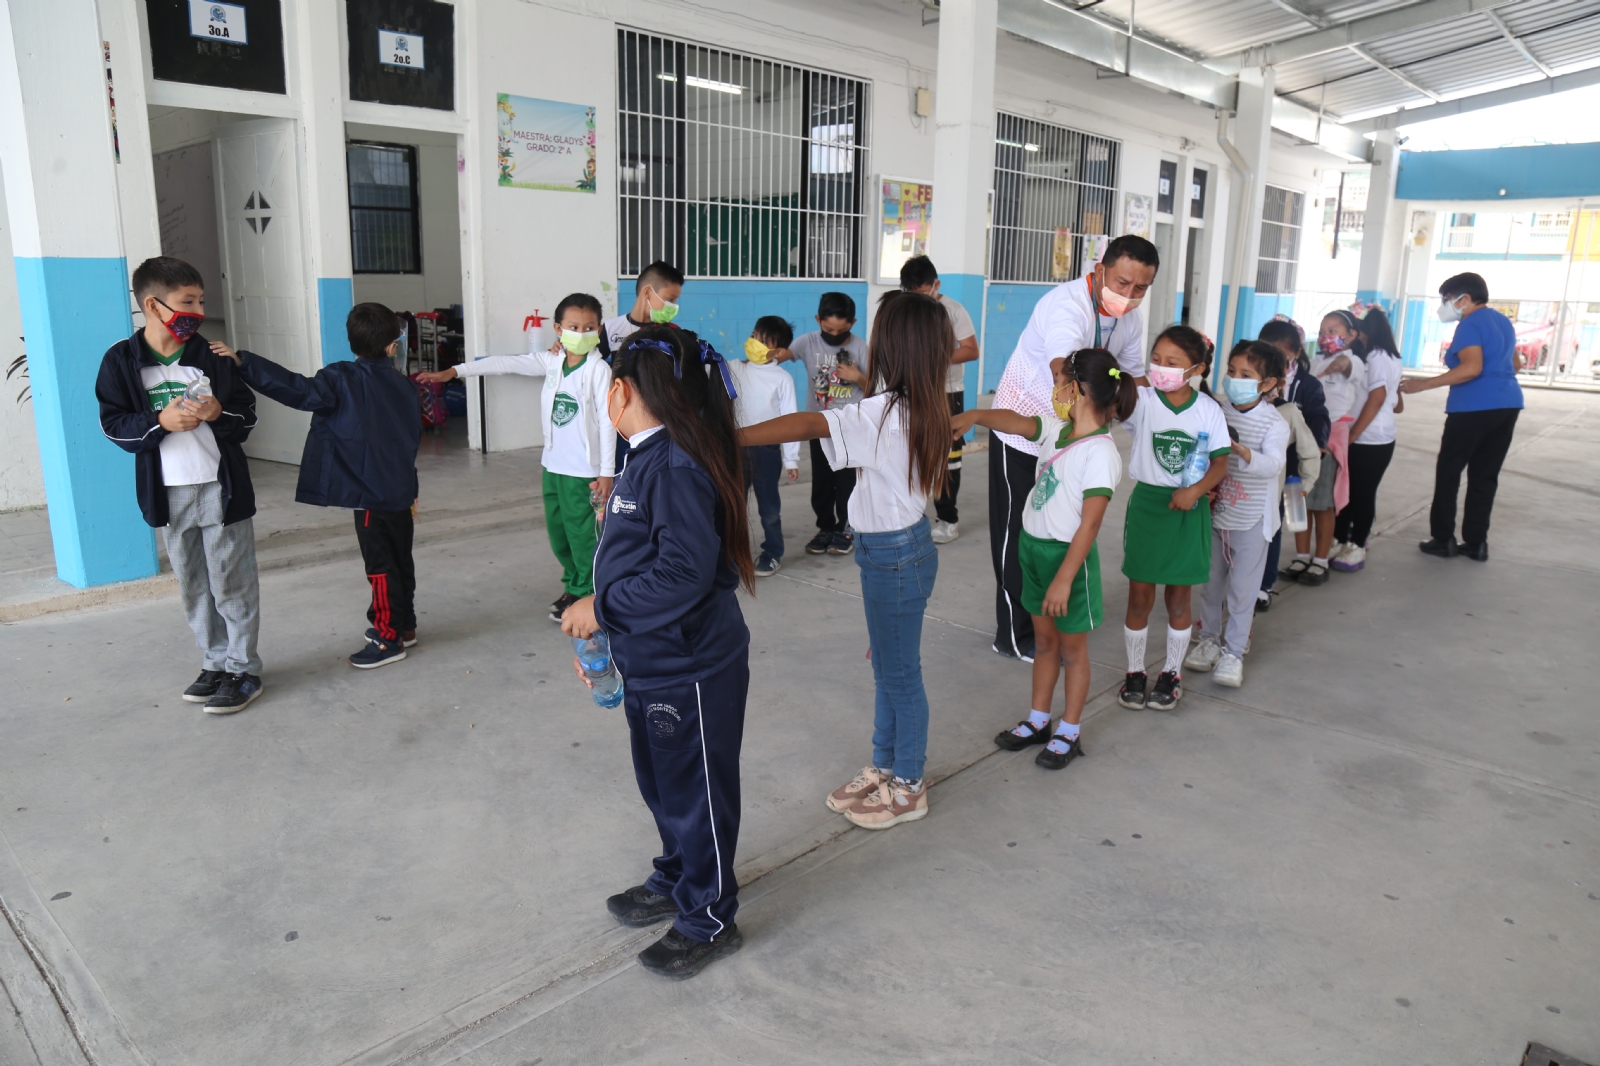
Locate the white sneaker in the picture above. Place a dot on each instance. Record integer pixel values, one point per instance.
(1203, 655)
(1353, 558)
(1338, 550)
(945, 532)
(1229, 671)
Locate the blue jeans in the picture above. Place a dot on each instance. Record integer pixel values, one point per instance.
(897, 574)
(763, 466)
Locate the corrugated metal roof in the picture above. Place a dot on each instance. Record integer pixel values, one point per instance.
(1569, 47)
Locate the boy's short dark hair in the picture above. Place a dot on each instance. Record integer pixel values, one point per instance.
(774, 331)
(583, 302)
(371, 329)
(159, 275)
(1130, 247)
(836, 305)
(1468, 284)
(658, 275)
(917, 273)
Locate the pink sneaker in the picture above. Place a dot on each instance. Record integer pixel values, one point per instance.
(868, 781)
(891, 804)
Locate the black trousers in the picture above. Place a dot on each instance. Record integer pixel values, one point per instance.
(686, 742)
(1367, 465)
(1011, 475)
(1477, 442)
(385, 539)
(763, 466)
(830, 492)
(945, 505)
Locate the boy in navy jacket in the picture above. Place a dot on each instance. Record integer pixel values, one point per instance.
(190, 472)
(361, 453)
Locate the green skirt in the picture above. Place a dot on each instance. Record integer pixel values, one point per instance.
(1041, 560)
(1161, 546)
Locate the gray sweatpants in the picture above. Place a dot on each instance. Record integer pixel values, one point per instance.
(216, 570)
(1238, 557)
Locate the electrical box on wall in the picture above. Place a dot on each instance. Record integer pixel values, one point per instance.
(403, 52)
(233, 45)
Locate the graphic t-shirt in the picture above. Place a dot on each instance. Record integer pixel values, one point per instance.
(1164, 436)
(191, 457)
(1090, 466)
(824, 390)
(565, 452)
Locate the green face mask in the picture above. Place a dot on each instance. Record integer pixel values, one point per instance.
(579, 343)
(664, 314)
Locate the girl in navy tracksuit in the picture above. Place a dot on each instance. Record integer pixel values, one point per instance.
(673, 550)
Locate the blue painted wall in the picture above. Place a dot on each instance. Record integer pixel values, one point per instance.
(1005, 314)
(335, 298)
(1533, 172)
(72, 311)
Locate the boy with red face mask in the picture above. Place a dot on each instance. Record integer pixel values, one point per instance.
(184, 413)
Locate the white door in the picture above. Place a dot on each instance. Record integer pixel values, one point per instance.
(258, 208)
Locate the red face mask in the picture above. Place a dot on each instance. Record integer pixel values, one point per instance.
(181, 324)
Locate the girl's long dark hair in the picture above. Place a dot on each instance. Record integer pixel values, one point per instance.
(1196, 345)
(1113, 396)
(692, 403)
(1353, 324)
(1376, 332)
(907, 356)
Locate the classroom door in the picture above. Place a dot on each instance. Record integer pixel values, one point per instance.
(258, 210)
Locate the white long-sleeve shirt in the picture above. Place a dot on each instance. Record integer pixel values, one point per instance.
(1249, 493)
(765, 392)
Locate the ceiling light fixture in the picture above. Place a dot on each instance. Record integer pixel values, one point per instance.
(715, 86)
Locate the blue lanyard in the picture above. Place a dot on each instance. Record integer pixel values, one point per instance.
(1094, 309)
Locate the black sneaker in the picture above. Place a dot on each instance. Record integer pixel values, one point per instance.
(842, 544)
(766, 566)
(236, 692)
(205, 686)
(1166, 692)
(640, 906)
(1476, 552)
(1444, 549)
(818, 544)
(1131, 695)
(1052, 760)
(677, 957)
(559, 607)
(378, 652)
(1011, 741)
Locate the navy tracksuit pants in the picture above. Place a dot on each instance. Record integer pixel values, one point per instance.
(686, 742)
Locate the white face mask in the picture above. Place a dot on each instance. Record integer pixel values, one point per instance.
(1449, 312)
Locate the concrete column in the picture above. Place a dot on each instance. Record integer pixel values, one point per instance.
(963, 156)
(61, 187)
(319, 55)
(1383, 234)
(1251, 136)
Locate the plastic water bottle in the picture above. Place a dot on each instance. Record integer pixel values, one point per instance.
(1198, 463)
(594, 654)
(198, 392)
(1294, 504)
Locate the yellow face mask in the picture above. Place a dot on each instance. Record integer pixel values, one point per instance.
(755, 351)
(1063, 410)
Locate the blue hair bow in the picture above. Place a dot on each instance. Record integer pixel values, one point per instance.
(708, 356)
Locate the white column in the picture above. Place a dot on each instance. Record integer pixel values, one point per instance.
(1251, 138)
(1383, 233)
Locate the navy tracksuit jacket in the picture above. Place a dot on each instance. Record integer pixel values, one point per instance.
(668, 602)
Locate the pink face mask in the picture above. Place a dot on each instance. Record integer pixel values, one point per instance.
(1332, 344)
(1115, 304)
(1168, 378)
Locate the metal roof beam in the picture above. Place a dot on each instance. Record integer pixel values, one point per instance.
(1354, 33)
(1531, 91)
(1410, 83)
(1518, 44)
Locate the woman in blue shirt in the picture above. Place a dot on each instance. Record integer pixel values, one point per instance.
(1480, 416)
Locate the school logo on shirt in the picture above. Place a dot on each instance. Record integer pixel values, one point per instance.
(1172, 447)
(564, 410)
(1045, 487)
(664, 719)
(164, 392)
(621, 506)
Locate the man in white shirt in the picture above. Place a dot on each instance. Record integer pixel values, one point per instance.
(1098, 310)
(919, 275)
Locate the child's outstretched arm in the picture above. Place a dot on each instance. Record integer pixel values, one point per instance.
(1059, 594)
(280, 383)
(1000, 419)
(804, 425)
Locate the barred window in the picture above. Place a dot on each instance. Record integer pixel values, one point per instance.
(731, 166)
(1281, 213)
(1055, 195)
(383, 208)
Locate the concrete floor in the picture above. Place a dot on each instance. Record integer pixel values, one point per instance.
(1384, 848)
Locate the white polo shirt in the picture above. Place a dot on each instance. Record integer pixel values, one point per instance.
(884, 500)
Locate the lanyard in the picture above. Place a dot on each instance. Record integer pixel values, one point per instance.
(1094, 309)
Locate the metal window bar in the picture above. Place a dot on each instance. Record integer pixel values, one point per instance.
(384, 225)
(1055, 195)
(1282, 213)
(732, 166)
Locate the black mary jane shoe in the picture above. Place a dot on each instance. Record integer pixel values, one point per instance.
(1052, 761)
(1011, 742)
(676, 956)
(640, 906)
(1294, 570)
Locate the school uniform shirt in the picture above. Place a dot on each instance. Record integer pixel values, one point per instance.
(1164, 435)
(871, 435)
(191, 457)
(578, 439)
(617, 330)
(1383, 371)
(1090, 466)
(766, 391)
(1346, 390)
(1249, 493)
(1063, 321)
(961, 322)
(824, 390)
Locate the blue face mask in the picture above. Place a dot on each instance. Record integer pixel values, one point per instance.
(1242, 392)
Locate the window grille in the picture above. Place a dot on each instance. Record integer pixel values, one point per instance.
(730, 166)
(1552, 223)
(1281, 214)
(383, 208)
(1055, 196)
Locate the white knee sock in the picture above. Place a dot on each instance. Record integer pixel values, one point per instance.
(1177, 648)
(1134, 639)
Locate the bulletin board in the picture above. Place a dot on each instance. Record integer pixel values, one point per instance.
(905, 218)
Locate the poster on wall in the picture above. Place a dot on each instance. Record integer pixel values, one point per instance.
(1094, 248)
(1061, 255)
(906, 217)
(545, 144)
(1137, 215)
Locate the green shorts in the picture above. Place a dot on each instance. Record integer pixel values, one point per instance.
(1041, 561)
(1161, 546)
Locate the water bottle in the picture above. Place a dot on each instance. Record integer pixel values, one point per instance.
(1294, 504)
(594, 654)
(1198, 463)
(198, 392)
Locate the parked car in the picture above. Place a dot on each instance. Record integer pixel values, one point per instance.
(1534, 343)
